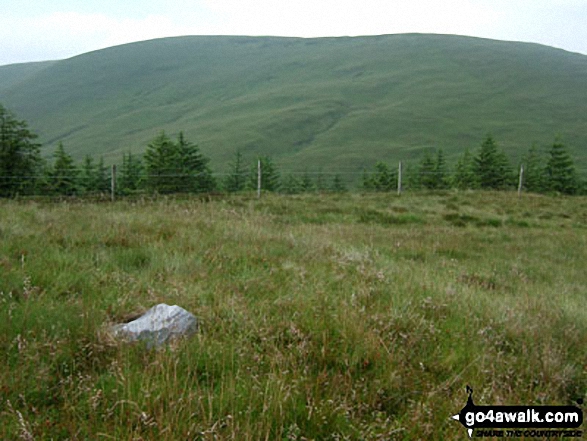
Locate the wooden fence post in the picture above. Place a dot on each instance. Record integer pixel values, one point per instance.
(399, 179)
(259, 178)
(521, 181)
(113, 183)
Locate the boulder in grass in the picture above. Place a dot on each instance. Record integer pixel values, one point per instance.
(158, 325)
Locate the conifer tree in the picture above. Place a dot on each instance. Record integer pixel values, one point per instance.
(533, 170)
(464, 176)
(491, 166)
(161, 164)
(432, 171)
(411, 176)
(269, 175)
(291, 185)
(427, 172)
(176, 166)
(102, 177)
(338, 185)
(366, 181)
(63, 176)
(320, 182)
(42, 183)
(440, 174)
(383, 179)
(87, 175)
(195, 175)
(560, 171)
(306, 183)
(131, 174)
(236, 180)
(20, 160)
(94, 177)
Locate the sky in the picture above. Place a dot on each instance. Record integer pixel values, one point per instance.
(36, 30)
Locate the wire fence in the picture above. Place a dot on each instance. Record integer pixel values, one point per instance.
(113, 184)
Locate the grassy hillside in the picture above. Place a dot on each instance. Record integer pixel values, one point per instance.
(336, 103)
(14, 74)
(355, 317)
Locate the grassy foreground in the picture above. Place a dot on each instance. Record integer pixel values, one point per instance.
(323, 317)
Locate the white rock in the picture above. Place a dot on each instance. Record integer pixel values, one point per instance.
(158, 325)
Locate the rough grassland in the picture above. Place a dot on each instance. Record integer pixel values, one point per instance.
(323, 317)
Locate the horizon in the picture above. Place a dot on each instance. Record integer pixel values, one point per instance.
(61, 29)
(291, 37)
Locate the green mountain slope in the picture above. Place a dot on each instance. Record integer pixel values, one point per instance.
(331, 103)
(14, 74)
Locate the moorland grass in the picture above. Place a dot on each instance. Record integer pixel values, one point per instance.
(322, 316)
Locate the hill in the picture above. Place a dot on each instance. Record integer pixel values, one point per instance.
(14, 74)
(331, 103)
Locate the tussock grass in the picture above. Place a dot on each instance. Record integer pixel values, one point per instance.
(323, 317)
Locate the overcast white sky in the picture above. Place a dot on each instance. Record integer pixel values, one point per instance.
(34, 30)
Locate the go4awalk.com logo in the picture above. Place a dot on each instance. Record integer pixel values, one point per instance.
(518, 421)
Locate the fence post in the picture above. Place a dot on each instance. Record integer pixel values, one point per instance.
(113, 183)
(399, 179)
(259, 178)
(521, 181)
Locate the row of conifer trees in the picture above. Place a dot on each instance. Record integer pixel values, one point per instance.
(488, 169)
(176, 166)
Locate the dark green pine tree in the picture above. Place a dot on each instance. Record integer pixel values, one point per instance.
(87, 175)
(338, 185)
(131, 174)
(94, 178)
(384, 179)
(509, 177)
(291, 185)
(533, 170)
(321, 184)
(269, 175)
(236, 179)
(427, 172)
(63, 176)
(367, 181)
(195, 175)
(464, 177)
(306, 183)
(411, 176)
(491, 166)
(440, 173)
(43, 182)
(20, 160)
(161, 158)
(559, 173)
(102, 178)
